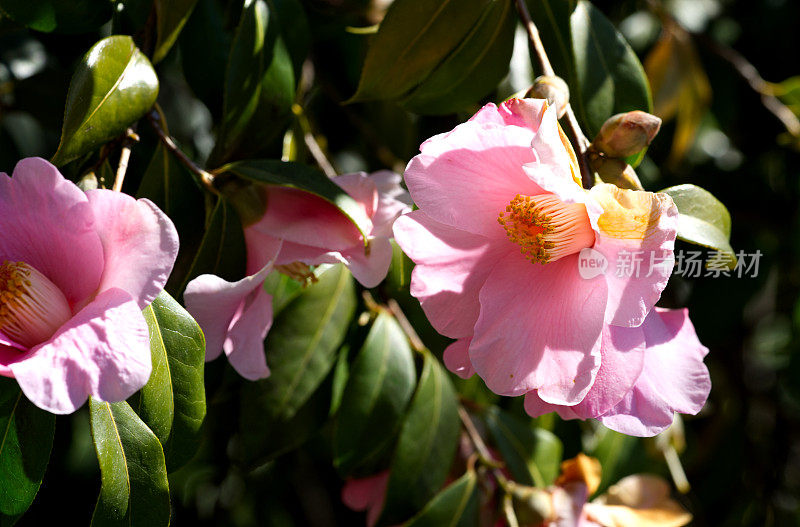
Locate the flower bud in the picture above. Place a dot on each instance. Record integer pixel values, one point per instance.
(614, 171)
(625, 134)
(552, 88)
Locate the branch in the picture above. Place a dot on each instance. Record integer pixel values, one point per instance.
(576, 134)
(405, 325)
(124, 156)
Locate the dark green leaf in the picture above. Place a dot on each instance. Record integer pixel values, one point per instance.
(259, 86)
(302, 177)
(703, 219)
(222, 249)
(62, 16)
(425, 447)
(301, 346)
(171, 15)
(294, 30)
(171, 187)
(447, 507)
(134, 489)
(474, 68)
(604, 75)
(173, 402)
(533, 455)
(283, 290)
(413, 39)
(113, 86)
(381, 383)
(613, 450)
(26, 438)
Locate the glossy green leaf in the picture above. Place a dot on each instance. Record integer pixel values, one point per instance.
(381, 383)
(295, 30)
(425, 447)
(533, 455)
(302, 177)
(613, 450)
(301, 346)
(473, 69)
(171, 15)
(413, 39)
(283, 290)
(222, 249)
(604, 75)
(172, 188)
(703, 219)
(134, 489)
(26, 438)
(112, 87)
(173, 402)
(447, 507)
(61, 16)
(259, 86)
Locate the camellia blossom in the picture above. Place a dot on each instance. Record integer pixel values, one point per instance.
(77, 270)
(298, 229)
(502, 229)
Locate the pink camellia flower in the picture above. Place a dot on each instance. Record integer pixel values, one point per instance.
(502, 226)
(665, 376)
(367, 494)
(298, 229)
(77, 270)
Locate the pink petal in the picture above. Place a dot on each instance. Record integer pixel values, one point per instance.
(369, 270)
(539, 329)
(631, 292)
(8, 356)
(361, 188)
(216, 304)
(47, 222)
(262, 249)
(467, 177)
(456, 358)
(103, 351)
(674, 378)
(526, 113)
(452, 266)
(244, 344)
(393, 201)
(548, 143)
(367, 494)
(140, 244)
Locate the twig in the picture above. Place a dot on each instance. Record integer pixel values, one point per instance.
(124, 157)
(156, 117)
(578, 138)
(311, 142)
(405, 325)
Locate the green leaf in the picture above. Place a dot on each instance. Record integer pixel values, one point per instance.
(222, 249)
(382, 381)
(134, 489)
(604, 75)
(301, 177)
(473, 69)
(301, 346)
(259, 86)
(172, 188)
(26, 438)
(613, 450)
(113, 86)
(703, 219)
(173, 402)
(171, 15)
(425, 447)
(294, 30)
(413, 39)
(447, 507)
(283, 290)
(72, 16)
(533, 455)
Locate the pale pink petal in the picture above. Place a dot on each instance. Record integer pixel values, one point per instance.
(674, 378)
(636, 233)
(369, 269)
(452, 266)
(262, 249)
(468, 177)
(214, 303)
(361, 188)
(526, 113)
(103, 351)
(303, 218)
(244, 344)
(367, 494)
(393, 201)
(140, 244)
(456, 358)
(539, 328)
(47, 222)
(550, 148)
(535, 407)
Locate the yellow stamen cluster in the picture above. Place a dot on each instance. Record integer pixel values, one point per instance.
(298, 271)
(32, 308)
(545, 227)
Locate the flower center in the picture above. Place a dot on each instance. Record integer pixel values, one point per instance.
(546, 228)
(32, 307)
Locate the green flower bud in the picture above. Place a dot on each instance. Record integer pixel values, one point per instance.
(625, 134)
(614, 171)
(552, 88)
